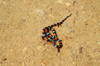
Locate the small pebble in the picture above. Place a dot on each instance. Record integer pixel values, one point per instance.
(87, 42)
(39, 47)
(0, 62)
(51, 15)
(74, 2)
(4, 59)
(25, 49)
(80, 50)
(89, 57)
(71, 30)
(24, 1)
(13, 4)
(11, 63)
(5, 20)
(65, 23)
(40, 12)
(43, 63)
(74, 63)
(82, 7)
(61, 1)
(68, 4)
(4, 2)
(86, 24)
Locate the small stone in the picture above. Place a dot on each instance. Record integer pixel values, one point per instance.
(4, 2)
(74, 2)
(0, 62)
(68, 4)
(51, 15)
(40, 12)
(24, 1)
(39, 47)
(13, 4)
(19, 45)
(25, 49)
(5, 20)
(11, 63)
(61, 1)
(43, 63)
(4, 59)
(71, 30)
(88, 42)
(86, 24)
(82, 7)
(65, 23)
(73, 63)
(80, 50)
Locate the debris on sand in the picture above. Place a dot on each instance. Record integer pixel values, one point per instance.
(40, 12)
(68, 4)
(61, 1)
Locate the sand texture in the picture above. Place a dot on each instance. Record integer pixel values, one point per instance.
(22, 22)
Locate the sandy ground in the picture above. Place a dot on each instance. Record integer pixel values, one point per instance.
(21, 24)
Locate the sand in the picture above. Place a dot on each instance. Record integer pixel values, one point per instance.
(22, 22)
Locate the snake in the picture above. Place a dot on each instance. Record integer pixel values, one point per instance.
(46, 35)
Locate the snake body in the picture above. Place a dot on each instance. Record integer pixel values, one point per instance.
(53, 38)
